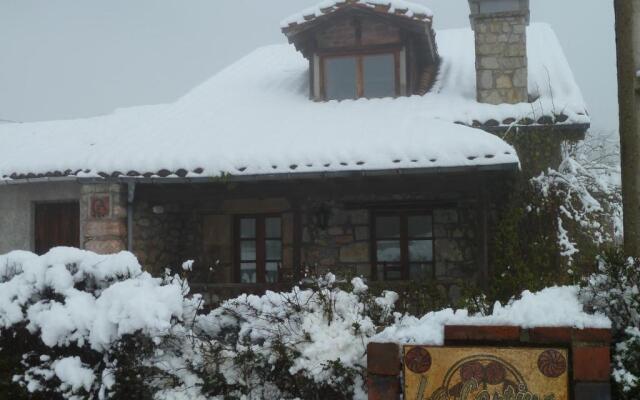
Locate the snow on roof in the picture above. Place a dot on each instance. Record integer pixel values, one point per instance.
(557, 98)
(396, 7)
(255, 118)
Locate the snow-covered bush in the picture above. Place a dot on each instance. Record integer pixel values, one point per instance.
(77, 325)
(554, 225)
(83, 325)
(308, 343)
(586, 192)
(615, 291)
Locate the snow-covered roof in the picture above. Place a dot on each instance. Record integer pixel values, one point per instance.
(396, 7)
(255, 118)
(557, 97)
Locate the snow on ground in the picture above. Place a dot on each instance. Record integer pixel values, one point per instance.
(255, 118)
(406, 8)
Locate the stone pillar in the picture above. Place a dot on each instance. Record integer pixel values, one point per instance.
(383, 371)
(501, 50)
(103, 218)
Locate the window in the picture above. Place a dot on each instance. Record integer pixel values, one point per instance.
(259, 248)
(403, 245)
(370, 76)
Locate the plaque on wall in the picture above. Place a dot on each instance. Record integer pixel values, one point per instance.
(99, 207)
(485, 373)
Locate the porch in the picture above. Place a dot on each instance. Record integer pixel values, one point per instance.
(253, 235)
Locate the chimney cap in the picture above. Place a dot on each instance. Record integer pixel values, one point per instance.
(489, 7)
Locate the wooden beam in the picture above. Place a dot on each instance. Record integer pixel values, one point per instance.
(297, 238)
(483, 251)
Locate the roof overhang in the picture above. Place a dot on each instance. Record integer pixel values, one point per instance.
(508, 167)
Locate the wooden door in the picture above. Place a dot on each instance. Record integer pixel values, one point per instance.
(56, 224)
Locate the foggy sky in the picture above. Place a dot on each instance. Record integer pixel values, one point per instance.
(76, 58)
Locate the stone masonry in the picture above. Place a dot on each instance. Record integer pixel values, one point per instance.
(165, 235)
(103, 218)
(501, 55)
(344, 245)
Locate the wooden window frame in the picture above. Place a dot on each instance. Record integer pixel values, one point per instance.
(359, 56)
(405, 262)
(261, 251)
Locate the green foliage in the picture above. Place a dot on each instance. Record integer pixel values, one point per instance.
(13, 344)
(132, 373)
(615, 291)
(525, 254)
(416, 297)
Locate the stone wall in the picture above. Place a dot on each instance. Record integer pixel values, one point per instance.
(166, 234)
(501, 57)
(343, 247)
(103, 218)
(175, 223)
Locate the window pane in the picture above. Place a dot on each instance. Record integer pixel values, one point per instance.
(248, 272)
(273, 227)
(340, 78)
(388, 251)
(247, 228)
(379, 75)
(420, 250)
(420, 271)
(248, 250)
(387, 227)
(420, 226)
(274, 250)
(272, 272)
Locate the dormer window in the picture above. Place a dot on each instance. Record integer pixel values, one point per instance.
(364, 75)
(365, 49)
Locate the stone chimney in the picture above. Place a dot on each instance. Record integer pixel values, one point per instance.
(500, 28)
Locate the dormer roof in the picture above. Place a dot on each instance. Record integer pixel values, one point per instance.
(396, 8)
(408, 17)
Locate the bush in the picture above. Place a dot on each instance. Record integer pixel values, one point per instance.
(307, 343)
(615, 291)
(554, 226)
(77, 324)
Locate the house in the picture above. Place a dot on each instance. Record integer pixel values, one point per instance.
(370, 145)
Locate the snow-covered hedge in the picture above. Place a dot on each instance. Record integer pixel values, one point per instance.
(87, 326)
(73, 312)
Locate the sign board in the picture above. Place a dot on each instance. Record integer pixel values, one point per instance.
(485, 373)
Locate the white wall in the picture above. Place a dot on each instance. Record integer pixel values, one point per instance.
(16, 210)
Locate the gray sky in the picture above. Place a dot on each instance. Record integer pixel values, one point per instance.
(76, 58)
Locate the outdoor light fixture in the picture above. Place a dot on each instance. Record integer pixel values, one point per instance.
(321, 215)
